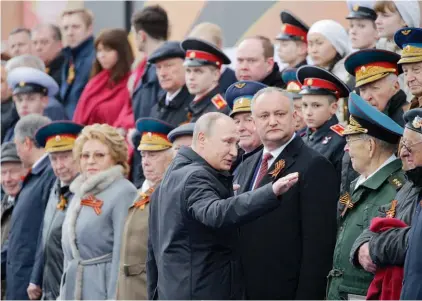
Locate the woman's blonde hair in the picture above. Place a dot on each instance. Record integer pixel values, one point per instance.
(110, 137)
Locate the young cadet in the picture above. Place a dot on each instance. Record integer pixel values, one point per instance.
(293, 87)
(292, 47)
(239, 96)
(320, 92)
(372, 139)
(409, 39)
(203, 63)
(58, 139)
(363, 32)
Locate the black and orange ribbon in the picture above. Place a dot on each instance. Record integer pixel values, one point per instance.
(392, 211)
(347, 202)
(143, 199)
(91, 201)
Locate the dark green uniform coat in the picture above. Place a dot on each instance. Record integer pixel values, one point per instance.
(378, 190)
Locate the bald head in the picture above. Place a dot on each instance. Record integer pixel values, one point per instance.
(215, 139)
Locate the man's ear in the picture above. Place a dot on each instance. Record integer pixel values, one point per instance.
(44, 100)
(201, 139)
(270, 64)
(333, 107)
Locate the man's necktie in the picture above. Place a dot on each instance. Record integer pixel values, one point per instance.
(263, 169)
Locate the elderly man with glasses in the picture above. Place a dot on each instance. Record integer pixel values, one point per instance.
(372, 138)
(387, 250)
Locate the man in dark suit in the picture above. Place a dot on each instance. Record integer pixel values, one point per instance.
(194, 216)
(29, 208)
(287, 253)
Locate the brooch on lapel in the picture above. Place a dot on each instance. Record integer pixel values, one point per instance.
(62, 204)
(326, 139)
(279, 165)
(392, 211)
(347, 202)
(91, 201)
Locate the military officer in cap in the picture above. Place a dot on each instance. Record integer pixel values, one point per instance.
(292, 46)
(320, 92)
(412, 285)
(173, 106)
(376, 72)
(363, 32)
(203, 63)
(58, 139)
(372, 140)
(181, 136)
(31, 89)
(239, 96)
(156, 154)
(409, 39)
(293, 86)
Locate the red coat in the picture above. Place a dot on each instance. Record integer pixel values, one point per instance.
(103, 102)
(387, 283)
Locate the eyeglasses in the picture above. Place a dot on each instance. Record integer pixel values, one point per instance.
(97, 156)
(410, 148)
(350, 140)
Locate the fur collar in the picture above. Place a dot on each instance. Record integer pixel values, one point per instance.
(97, 183)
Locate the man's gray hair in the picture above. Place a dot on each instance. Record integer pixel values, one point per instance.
(206, 123)
(384, 146)
(28, 125)
(270, 90)
(25, 60)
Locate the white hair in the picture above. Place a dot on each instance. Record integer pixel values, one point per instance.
(28, 125)
(25, 60)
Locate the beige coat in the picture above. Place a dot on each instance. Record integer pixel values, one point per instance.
(132, 281)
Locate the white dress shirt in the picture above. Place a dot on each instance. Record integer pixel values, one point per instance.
(170, 97)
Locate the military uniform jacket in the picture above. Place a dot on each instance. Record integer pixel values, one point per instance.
(357, 213)
(48, 267)
(388, 248)
(132, 281)
(177, 111)
(283, 255)
(327, 142)
(25, 226)
(211, 102)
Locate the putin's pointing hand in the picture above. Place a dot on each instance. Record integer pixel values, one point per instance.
(283, 184)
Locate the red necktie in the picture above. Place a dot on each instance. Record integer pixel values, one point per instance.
(263, 169)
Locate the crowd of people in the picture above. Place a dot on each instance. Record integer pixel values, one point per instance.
(173, 176)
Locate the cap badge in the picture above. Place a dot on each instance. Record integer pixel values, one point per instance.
(283, 28)
(22, 84)
(58, 138)
(406, 32)
(309, 82)
(417, 122)
(192, 55)
(363, 69)
(355, 7)
(149, 134)
(240, 85)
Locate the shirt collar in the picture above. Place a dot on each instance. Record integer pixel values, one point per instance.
(145, 186)
(275, 153)
(362, 180)
(38, 162)
(170, 97)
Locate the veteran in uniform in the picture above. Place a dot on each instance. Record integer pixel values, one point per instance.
(386, 250)
(239, 96)
(321, 91)
(409, 39)
(372, 139)
(58, 139)
(181, 136)
(292, 44)
(293, 86)
(376, 72)
(203, 64)
(156, 156)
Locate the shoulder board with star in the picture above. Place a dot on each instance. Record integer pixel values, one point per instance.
(219, 102)
(397, 181)
(338, 129)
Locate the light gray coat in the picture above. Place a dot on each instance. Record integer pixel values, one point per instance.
(91, 241)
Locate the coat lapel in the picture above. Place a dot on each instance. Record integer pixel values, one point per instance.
(247, 172)
(287, 157)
